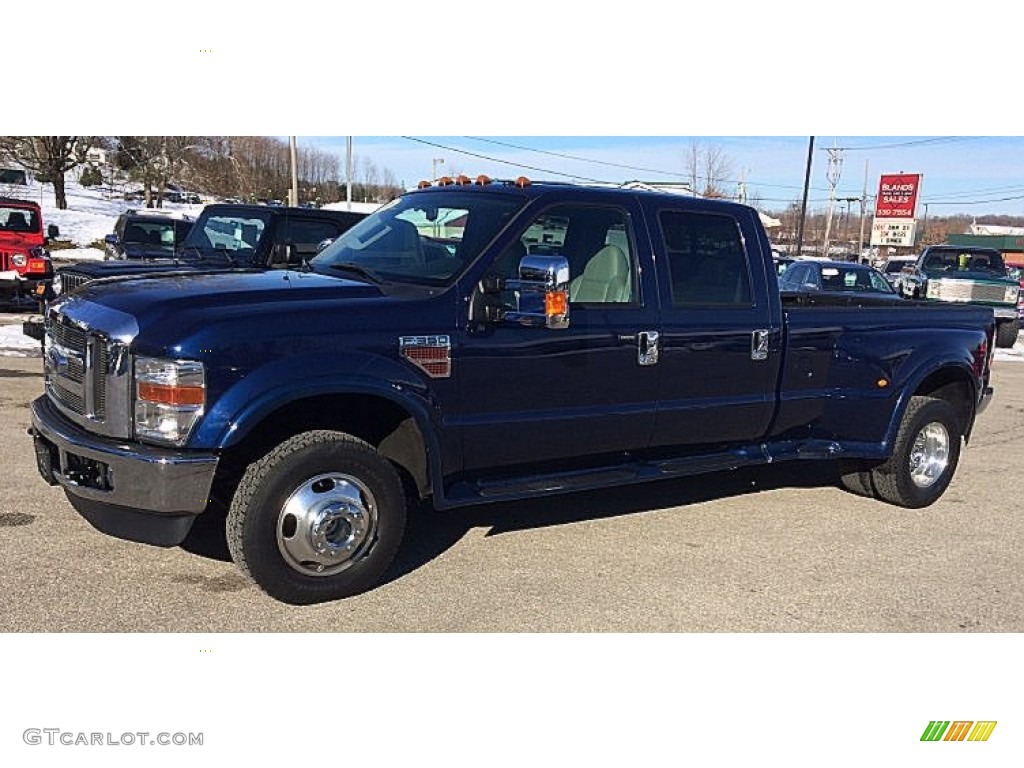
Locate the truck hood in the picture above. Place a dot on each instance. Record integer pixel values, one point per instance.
(213, 292)
(122, 268)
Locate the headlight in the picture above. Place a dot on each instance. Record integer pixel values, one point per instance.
(1011, 294)
(19, 259)
(58, 284)
(169, 399)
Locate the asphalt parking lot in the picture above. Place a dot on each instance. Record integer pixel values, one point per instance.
(779, 549)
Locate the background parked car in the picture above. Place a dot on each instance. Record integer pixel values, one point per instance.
(844, 277)
(781, 262)
(146, 235)
(893, 269)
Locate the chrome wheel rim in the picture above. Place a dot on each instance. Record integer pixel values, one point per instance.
(327, 524)
(929, 455)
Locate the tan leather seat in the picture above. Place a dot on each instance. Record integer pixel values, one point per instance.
(605, 279)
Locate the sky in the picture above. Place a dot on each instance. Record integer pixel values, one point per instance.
(976, 175)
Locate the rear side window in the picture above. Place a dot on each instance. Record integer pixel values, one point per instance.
(706, 260)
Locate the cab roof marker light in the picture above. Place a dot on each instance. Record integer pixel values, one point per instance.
(462, 180)
(445, 181)
(423, 184)
(483, 180)
(522, 182)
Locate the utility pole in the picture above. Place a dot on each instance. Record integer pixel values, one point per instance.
(835, 168)
(803, 206)
(846, 218)
(863, 207)
(348, 173)
(433, 167)
(294, 194)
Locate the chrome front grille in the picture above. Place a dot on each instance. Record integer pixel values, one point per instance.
(966, 290)
(71, 280)
(88, 367)
(69, 336)
(76, 368)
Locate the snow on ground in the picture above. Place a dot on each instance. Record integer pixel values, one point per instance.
(14, 343)
(89, 217)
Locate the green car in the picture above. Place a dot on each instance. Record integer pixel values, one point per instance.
(970, 275)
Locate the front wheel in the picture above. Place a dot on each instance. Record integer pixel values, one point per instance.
(1006, 334)
(925, 455)
(319, 518)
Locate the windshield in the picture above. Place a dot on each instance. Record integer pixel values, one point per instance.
(966, 260)
(156, 233)
(426, 238)
(892, 267)
(234, 235)
(18, 219)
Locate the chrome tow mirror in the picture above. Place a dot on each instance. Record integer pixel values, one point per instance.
(542, 291)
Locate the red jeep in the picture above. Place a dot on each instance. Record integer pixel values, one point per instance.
(24, 260)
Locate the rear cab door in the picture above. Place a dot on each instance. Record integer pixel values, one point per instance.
(721, 325)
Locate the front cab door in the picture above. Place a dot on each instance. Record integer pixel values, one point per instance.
(550, 400)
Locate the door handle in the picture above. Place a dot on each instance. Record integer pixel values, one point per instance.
(647, 347)
(759, 344)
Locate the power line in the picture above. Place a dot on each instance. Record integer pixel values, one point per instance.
(627, 167)
(975, 202)
(914, 143)
(573, 157)
(503, 162)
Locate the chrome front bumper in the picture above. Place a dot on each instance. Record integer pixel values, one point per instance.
(119, 473)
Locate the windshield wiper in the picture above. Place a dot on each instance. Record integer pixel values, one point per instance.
(370, 275)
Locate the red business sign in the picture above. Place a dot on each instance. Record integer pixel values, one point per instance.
(897, 196)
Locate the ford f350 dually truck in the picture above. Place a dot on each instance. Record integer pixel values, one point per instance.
(477, 341)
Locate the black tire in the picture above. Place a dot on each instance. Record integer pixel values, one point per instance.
(903, 479)
(318, 518)
(855, 477)
(1006, 334)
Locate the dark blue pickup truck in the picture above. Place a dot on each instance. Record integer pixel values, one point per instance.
(478, 341)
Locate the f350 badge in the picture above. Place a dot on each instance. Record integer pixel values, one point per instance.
(431, 354)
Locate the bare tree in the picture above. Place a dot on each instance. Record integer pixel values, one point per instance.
(155, 161)
(708, 169)
(48, 157)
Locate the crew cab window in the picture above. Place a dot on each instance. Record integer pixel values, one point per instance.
(594, 240)
(707, 262)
